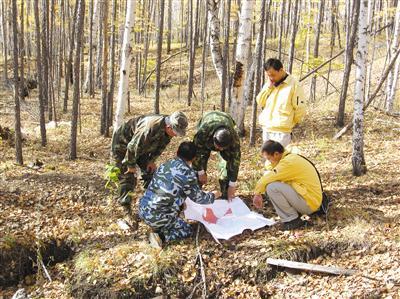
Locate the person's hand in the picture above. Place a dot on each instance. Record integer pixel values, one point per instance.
(151, 167)
(130, 170)
(231, 192)
(203, 179)
(258, 201)
(217, 193)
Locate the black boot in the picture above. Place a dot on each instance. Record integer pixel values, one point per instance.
(296, 223)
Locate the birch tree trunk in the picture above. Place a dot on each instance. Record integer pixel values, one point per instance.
(214, 25)
(358, 160)
(349, 61)
(238, 106)
(123, 88)
(393, 77)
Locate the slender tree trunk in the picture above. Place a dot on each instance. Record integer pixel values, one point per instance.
(17, 124)
(21, 52)
(332, 42)
(393, 76)
(358, 161)
(313, 85)
(123, 88)
(281, 27)
(203, 59)
(192, 52)
(258, 75)
(5, 43)
(226, 57)
(104, 73)
(40, 78)
(159, 52)
(77, 69)
(244, 42)
(112, 71)
(215, 48)
(293, 37)
(70, 58)
(349, 61)
(169, 37)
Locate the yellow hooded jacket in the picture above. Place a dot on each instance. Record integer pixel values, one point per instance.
(283, 106)
(297, 172)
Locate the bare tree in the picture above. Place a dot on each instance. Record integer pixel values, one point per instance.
(215, 48)
(77, 66)
(320, 17)
(358, 160)
(39, 69)
(237, 107)
(293, 37)
(159, 52)
(17, 109)
(104, 95)
(123, 89)
(349, 61)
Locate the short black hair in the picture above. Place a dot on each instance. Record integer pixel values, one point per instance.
(270, 147)
(222, 137)
(187, 151)
(274, 63)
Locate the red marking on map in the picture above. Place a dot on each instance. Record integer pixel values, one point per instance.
(210, 216)
(228, 212)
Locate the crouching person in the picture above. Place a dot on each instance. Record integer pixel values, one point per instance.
(164, 198)
(293, 185)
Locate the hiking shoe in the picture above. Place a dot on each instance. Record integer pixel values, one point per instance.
(296, 223)
(155, 240)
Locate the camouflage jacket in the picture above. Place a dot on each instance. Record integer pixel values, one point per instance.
(141, 137)
(208, 124)
(172, 183)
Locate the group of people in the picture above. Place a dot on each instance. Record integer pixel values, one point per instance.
(290, 181)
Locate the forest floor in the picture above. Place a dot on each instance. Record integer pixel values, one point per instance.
(62, 210)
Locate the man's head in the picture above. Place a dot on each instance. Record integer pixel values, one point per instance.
(176, 124)
(274, 70)
(187, 151)
(222, 138)
(272, 151)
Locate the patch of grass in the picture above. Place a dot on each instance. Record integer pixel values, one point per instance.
(356, 233)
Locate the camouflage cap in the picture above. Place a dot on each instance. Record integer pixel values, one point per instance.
(178, 122)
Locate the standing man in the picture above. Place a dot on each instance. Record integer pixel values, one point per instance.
(282, 101)
(137, 144)
(216, 131)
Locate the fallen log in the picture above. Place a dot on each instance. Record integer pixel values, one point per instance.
(310, 267)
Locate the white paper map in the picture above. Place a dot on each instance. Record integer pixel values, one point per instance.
(225, 219)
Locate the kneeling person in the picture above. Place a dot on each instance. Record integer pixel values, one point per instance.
(163, 200)
(293, 185)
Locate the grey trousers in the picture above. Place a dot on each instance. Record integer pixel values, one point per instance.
(287, 202)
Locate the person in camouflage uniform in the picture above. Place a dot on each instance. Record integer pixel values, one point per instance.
(216, 131)
(138, 143)
(163, 200)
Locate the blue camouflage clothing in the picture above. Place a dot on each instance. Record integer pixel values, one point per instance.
(162, 202)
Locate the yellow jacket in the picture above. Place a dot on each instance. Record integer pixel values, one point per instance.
(283, 106)
(297, 172)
